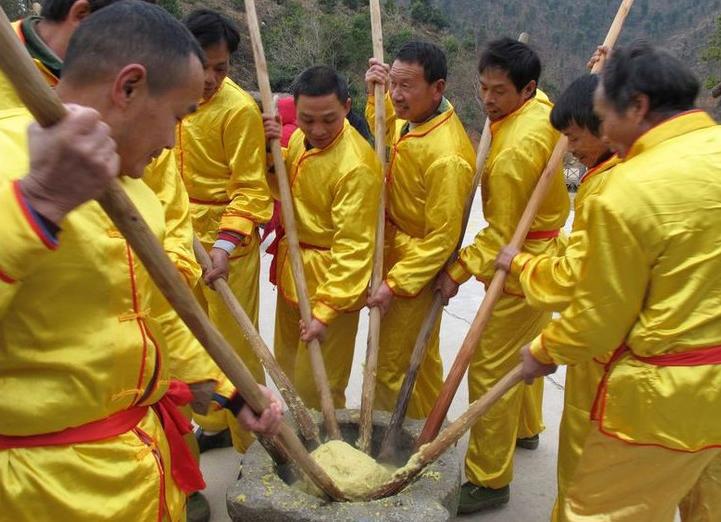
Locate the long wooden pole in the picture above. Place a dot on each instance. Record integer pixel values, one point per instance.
(495, 289)
(390, 438)
(286, 202)
(374, 323)
(47, 109)
(307, 427)
(449, 436)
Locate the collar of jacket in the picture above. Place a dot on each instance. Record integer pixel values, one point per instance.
(37, 48)
(681, 123)
(444, 112)
(603, 166)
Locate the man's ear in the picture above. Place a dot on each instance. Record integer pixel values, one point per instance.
(78, 11)
(130, 82)
(347, 105)
(439, 89)
(529, 90)
(639, 108)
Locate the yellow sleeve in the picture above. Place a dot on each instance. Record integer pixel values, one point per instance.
(609, 294)
(447, 183)
(370, 114)
(354, 213)
(250, 200)
(163, 178)
(24, 239)
(509, 187)
(548, 282)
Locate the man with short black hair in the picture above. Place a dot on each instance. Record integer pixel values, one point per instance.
(648, 291)
(548, 280)
(523, 140)
(428, 179)
(220, 152)
(335, 182)
(84, 375)
(46, 38)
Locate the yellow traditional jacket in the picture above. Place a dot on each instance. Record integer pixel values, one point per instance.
(336, 193)
(522, 145)
(220, 151)
(548, 281)
(188, 360)
(77, 340)
(8, 97)
(650, 280)
(428, 180)
(163, 178)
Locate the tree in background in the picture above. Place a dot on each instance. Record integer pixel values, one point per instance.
(712, 54)
(15, 9)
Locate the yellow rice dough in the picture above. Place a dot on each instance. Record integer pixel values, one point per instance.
(354, 472)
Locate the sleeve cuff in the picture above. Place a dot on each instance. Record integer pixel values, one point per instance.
(539, 351)
(237, 224)
(324, 313)
(25, 239)
(519, 262)
(396, 288)
(224, 244)
(458, 272)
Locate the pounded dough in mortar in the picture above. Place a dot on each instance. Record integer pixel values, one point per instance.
(354, 472)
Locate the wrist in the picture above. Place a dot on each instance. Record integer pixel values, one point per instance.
(42, 203)
(225, 246)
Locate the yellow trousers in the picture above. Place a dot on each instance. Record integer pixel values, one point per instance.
(243, 279)
(580, 390)
(399, 329)
(117, 479)
(620, 482)
(337, 349)
(489, 460)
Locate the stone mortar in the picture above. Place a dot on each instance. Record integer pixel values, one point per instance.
(261, 495)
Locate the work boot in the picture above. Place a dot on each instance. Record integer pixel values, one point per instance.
(529, 443)
(222, 439)
(477, 498)
(197, 508)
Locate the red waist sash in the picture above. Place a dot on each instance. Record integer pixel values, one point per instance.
(273, 251)
(543, 234)
(697, 357)
(184, 468)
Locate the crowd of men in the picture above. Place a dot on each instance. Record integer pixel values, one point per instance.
(94, 362)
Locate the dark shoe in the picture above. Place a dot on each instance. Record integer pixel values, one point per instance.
(222, 439)
(529, 443)
(197, 509)
(477, 498)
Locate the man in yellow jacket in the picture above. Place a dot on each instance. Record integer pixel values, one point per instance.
(46, 38)
(427, 183)
(83, 365)
(523, 140)
(548, 280)
(649, 292)
(336, 183)
(220, 151)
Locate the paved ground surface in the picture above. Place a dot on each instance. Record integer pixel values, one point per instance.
(534, 487)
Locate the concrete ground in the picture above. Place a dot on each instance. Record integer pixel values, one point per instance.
(534, 486)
